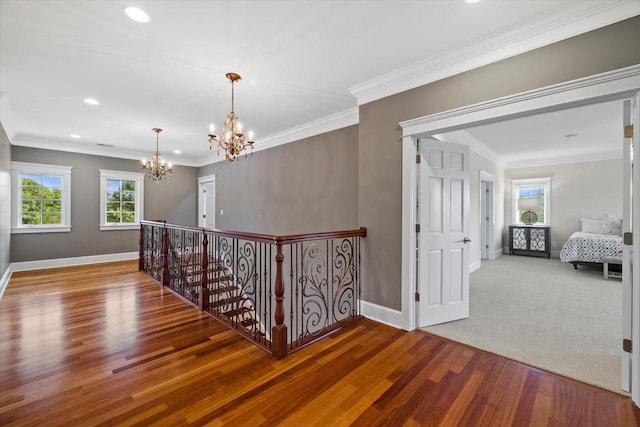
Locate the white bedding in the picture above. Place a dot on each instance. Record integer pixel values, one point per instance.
(590, 247)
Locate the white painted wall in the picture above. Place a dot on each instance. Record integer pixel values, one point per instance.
(478, 163)
(578, 190)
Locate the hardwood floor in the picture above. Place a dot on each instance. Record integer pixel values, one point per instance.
(105, 345)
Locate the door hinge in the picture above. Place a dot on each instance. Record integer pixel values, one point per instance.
(486, 246)
(487, 190)
(627, 239)
(417, 228)
(417, 297)
(204, 215)
(417, 158)
(626, 345)
(628, 131)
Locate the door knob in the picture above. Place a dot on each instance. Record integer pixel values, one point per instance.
(466, 240)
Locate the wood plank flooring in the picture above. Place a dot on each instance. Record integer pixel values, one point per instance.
(105, 345)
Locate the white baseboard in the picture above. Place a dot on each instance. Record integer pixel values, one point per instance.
(4, 280)
(386, 315)
(496, 254)
(68, 262)
(475, 266)
(555, 254)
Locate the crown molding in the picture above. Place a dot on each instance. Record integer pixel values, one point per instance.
(465, 138)
(326, 124)
(330, 123)
(575, 18)
(6, 118)
(609, 85)
(80, 148)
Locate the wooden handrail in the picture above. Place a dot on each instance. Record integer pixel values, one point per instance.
(267, 238)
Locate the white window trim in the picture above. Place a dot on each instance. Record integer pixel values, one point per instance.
(21, 168)
(515, 183)
(125, 176)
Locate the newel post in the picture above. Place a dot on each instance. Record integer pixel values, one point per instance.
(141, 250)
(165, 256)
(203, 299)
(279, 331)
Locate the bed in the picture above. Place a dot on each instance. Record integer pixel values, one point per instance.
(599, 238)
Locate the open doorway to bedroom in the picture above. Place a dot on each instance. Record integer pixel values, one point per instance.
(575, 198)
(542, 311)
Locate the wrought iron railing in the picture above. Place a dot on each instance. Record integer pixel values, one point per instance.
(281, 292)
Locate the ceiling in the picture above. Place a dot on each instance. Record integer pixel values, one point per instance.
(306, 66)
(585, 133)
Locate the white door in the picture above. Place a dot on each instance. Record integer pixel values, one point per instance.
(484, 220)
(207, 201)
(443, 244)
(210, 205)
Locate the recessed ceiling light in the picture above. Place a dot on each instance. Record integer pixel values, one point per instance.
(91, 101)
(75, 136)
(136, 14)
(472, 1)
(177, 151)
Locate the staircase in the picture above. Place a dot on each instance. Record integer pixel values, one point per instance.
(226, 300)
(280, 292)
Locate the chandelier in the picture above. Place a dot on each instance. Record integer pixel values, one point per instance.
(156, 169)
(230, 138)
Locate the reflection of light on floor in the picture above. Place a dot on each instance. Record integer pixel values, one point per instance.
(41, 333)
(120, 318)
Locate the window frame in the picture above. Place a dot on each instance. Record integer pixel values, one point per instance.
(515, 186)
(18, 169)
(138, 177)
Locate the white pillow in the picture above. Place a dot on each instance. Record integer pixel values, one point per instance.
(611, 225)
(590, 225)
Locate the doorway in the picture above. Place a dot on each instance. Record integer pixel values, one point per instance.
(207, 201)
(486, 216)
(619, 84)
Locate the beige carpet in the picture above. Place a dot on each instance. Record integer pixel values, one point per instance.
(546, 314)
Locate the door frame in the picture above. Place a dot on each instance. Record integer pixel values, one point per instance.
(489, 202)
(618, 84)
(202, 181)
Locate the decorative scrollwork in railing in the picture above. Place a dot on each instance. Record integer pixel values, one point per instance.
(315, 307)
(344, 282)
(239, 279)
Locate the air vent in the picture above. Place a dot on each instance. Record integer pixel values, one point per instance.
(104, 145)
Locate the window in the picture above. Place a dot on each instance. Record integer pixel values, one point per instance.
(121, 200)
(538, 188)
(41, 198)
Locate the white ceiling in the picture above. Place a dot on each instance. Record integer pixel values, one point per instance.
(586, 133)
(306, 65)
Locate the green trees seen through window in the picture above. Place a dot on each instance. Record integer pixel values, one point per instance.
(121, 201)
(41, 199)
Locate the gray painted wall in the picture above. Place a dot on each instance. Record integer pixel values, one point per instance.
(173, 200)
(479, 163)
(578, 190)
(307, 186)
(380, 149)
(5, 200)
